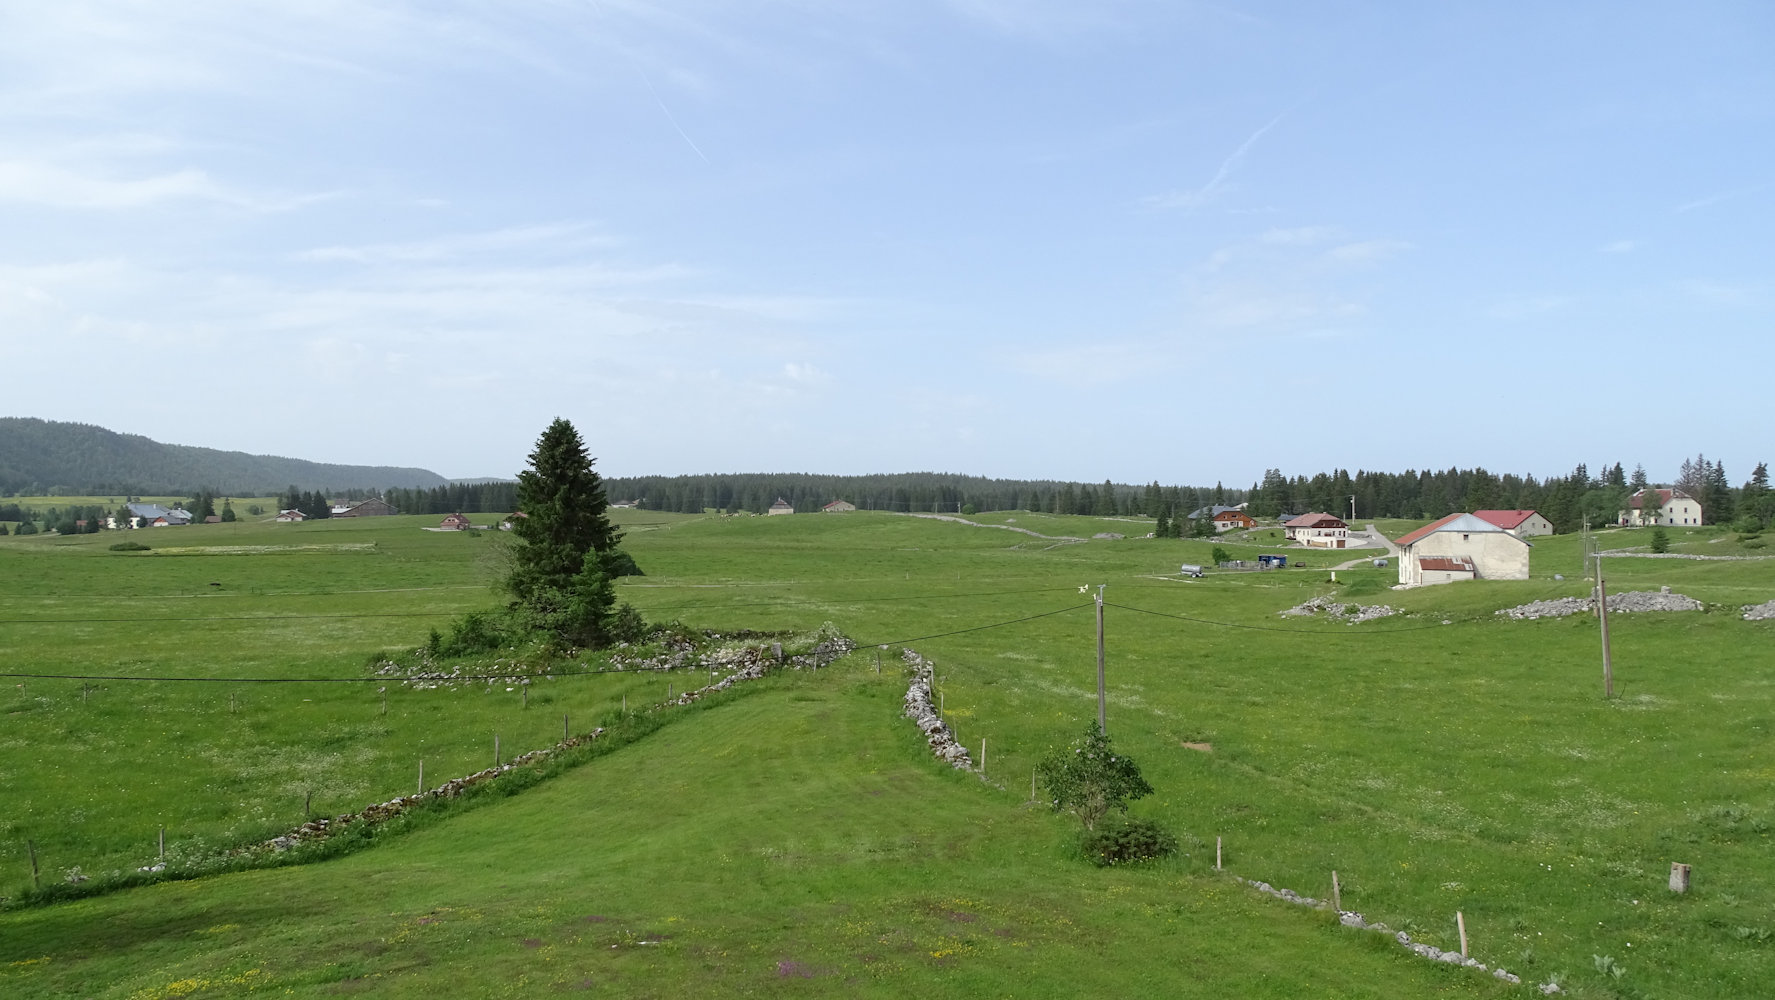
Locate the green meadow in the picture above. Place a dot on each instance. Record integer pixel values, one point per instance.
(794, 838)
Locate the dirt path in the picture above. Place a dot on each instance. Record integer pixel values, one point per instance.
(1069, 539)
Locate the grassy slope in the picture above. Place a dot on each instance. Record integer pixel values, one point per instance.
(1470, 766)
(792, 844)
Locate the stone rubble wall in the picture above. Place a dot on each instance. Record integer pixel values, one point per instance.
(1759, 612)
(743, 663)
(922, 709)
(1350, 918)
(1347, 612)
(1632, 600)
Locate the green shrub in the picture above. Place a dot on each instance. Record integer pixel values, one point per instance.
(129, 547)
(1754, 543)
(1127, 840)
(1660, 540)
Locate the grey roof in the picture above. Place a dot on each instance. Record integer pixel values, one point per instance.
(1214, 511)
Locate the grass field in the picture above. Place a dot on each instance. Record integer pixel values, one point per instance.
(797, 841)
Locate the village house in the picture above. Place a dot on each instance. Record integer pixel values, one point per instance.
(1674, 507)
(839, 507)
(289, 516)
(1317, 531)
(1521, 523)
(454, 522)
(1461, 547)
(1232, 518)
(781, 507)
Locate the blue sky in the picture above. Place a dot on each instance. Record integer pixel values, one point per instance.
(1118, 239)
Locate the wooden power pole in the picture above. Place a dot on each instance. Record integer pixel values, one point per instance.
(1602, 610)
(1102, 702)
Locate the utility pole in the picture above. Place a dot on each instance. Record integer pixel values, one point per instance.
(1352, 508)
(1102, 703)
(1602, 610)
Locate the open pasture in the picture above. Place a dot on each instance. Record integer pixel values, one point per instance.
(1446, 759)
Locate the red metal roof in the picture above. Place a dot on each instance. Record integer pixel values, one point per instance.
(1425, 530)
(1447, 564)
(1315, 520)
(1507, 519)
(1664, 497)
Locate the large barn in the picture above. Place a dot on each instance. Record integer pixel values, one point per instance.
(1461, 547)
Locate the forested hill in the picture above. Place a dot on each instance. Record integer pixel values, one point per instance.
(40, 456)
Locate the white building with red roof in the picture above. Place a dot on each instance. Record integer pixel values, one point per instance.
(1521, 523)
(1461, 547)
(1673, 507)
(1317, 531)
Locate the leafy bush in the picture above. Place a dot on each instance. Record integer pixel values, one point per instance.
(129, 547)
(1089, 779)
(1755, 543)
(1127, 840)
(1221, 556)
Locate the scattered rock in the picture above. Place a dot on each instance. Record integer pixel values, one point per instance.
(1632, 600)
(1759, 612)
(1347, 612)
(1108, 535)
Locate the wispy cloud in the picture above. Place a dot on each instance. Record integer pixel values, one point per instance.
(1194, 199)
(1714, 199)
(1367, 251)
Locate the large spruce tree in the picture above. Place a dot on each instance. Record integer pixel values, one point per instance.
(566, 546)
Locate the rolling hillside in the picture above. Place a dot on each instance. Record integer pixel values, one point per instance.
(37, 456)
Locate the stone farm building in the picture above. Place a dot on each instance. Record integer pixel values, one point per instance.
(153, 515)
(290, 515)
(782, 507)
(839, 507)
(373, 507)
(1676, 507)
(1317, 531)
(1461, 547)
(1521, 523)
(454, 522)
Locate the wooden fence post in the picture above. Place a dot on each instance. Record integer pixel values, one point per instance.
(564, 730)
(1461, 922)
(1337, 895)
(495, 749)
(31, 846)
(163, 842)
(421, 778)
(1217, 854)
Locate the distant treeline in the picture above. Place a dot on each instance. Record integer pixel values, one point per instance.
(1567, 501)
(905, 492)
(50, 458)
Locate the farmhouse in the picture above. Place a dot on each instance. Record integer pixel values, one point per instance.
(153, 515)
(1232, 518)
(1521, 523)
(1317, 531)
(839, 507)
(781, 507)
(1213, 511)
(454, 522)
(1461, 547)
(290, 515)
(373, 507)
(1673, 507)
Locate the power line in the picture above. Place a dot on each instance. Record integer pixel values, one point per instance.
(1273, 628)
(977, 628)
(217, 618)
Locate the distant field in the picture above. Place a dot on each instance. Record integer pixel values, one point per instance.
(1441, 760)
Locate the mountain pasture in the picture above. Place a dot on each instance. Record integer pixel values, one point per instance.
(798, 840)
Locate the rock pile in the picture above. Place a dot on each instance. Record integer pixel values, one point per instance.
(1632, 600)
(920, 709)
(1759, 612)
(1347, 612)
(1350, 918)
